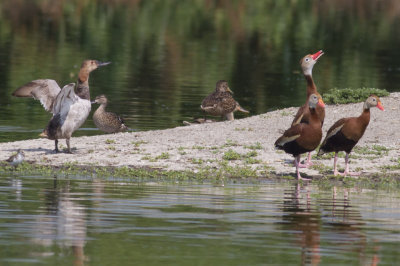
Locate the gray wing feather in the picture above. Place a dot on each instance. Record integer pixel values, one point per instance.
(44, 90)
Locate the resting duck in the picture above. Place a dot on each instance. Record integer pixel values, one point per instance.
(221, 102)
(303, 114)
(303, 137)
(16, 159)
(346, 132)
(70, 105)
(107, 121)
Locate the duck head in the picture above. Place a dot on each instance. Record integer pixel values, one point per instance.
(307, 62)
(222, 86)
(314, 100)
(101, 99)
(88, 66)
(373, 101)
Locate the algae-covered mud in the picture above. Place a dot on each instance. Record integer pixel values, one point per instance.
(240, 148)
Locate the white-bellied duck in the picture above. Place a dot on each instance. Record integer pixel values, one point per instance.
(107, 121)
(70, 105)
(346, 132)
(303, 137)
(221, 102)
(303, 114)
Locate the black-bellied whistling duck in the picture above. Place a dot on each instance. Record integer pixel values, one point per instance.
(70, 105)
(221, 102)
(107, 121)
(303, 114)
(303, 137)
(346, 132)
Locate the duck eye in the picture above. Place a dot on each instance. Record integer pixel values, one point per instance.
(307, 59)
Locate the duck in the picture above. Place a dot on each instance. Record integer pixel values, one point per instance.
(303, 137)
(303, 114)
(345, 133)
(107, 121)
(221, 102)
(70, 105)
(16, 159)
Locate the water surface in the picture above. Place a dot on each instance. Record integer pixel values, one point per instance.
(51, 221)
(167, 55)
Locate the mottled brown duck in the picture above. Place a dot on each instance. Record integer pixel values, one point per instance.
(70, 105)
(107, 121)
(346, 132)
(221, 102)
(303, 137)
(303, 114)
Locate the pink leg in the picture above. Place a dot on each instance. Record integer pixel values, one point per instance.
(308, 163)
(346, 171)
(297, 163)
(335, 171)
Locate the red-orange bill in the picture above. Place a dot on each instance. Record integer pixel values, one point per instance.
(380, 106)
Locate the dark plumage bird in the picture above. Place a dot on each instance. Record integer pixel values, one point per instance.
(16, 159)
(70, 105)
(221, 102)
(303, 137)
(346, 132)
(303, 114)
(107, 121)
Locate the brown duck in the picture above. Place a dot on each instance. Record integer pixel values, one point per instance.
(70, 105)
(346, 132)
(221, 102)
(303, 137)
(107, 121)
(303, 114)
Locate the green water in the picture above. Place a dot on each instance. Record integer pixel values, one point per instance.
(46, 221)
(167, 55)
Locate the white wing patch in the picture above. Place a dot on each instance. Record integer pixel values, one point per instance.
(285, 140)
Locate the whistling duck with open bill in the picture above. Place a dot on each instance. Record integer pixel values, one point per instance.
(303, 137)
(303, 114)
(346, 132)
(70, 105)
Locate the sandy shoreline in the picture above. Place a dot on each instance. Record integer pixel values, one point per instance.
(211, 145)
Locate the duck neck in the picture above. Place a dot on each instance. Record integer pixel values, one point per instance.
(82, 85)
(311, 88)
(314, 119)
(365, 117)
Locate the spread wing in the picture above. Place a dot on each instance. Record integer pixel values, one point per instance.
(64, 100)
(44, 90)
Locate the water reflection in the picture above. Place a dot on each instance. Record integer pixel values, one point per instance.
(62, 223)
(72, 221)
(304, 222)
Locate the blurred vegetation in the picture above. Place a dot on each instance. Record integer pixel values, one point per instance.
(349, 95)
(168, 55)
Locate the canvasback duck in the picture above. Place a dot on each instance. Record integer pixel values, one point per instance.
(303, 137)
(346, 132)
(221, 102)
(107, 121)
(70, 105)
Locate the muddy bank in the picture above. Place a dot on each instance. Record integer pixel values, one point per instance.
(241, 145)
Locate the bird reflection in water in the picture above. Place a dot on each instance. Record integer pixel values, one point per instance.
(305, 222)
(63, 223)
(334, 218)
